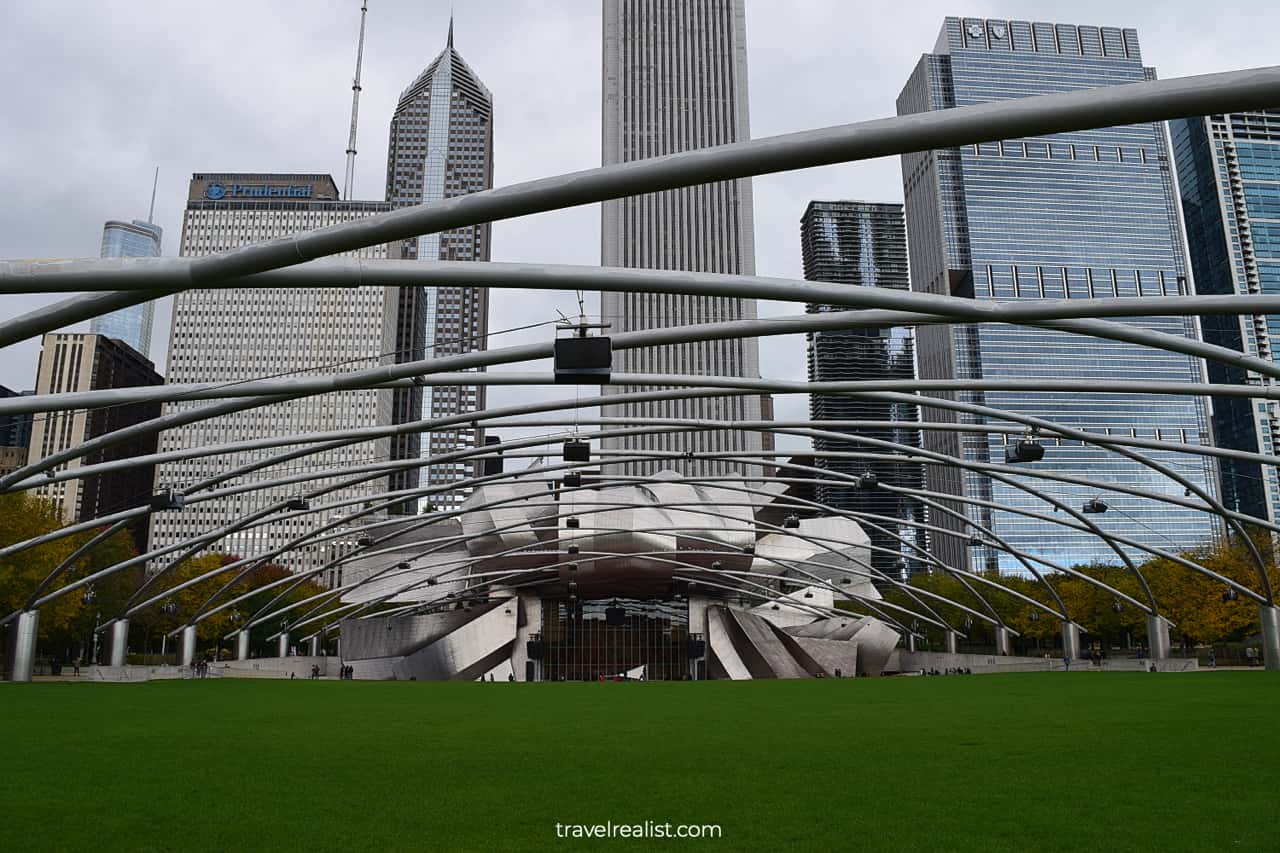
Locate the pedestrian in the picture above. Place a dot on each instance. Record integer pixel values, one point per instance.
(1066, 662)
(1213, 658)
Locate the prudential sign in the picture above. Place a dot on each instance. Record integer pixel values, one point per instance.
(216, 191)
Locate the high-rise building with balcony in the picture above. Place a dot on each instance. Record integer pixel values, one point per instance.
(136, 239)
(441, 146)
(675, 79)
(1068, 216)
(1229, 178)
(864, 244)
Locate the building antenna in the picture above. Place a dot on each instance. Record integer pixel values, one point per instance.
(355, 109)
(151, 214)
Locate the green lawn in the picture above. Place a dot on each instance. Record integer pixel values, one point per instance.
(1084, 762)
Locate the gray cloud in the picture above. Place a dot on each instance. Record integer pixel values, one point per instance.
(102, 93)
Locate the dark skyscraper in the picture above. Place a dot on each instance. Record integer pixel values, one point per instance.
(1081, 215)
(442, 146)
(864, 244)
(1229, 176)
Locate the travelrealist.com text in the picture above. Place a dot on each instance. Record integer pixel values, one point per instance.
(647, 829)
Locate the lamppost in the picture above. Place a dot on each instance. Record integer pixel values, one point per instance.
(90, 598)
(169, 608)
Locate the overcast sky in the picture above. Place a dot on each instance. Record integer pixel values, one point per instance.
(99, 93)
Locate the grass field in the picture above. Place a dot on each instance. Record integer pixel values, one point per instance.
(1088, 762)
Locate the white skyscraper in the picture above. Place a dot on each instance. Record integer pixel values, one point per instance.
(675, 79)
(247, 333)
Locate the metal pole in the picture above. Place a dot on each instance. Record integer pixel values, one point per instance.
(950, 639)
(1157, 637)
(1269, 616)
(188, 645)
(242, 645)
(1002, 641)
(119, 641)
(24, 649)
(283, 645)
(1071, 641)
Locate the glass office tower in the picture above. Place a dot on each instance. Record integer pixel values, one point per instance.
(132, 325)
(441, 146)
(864, 244)
(1067, 216)
(1229, 177)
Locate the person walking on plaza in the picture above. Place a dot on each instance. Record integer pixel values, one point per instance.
(1213, 658)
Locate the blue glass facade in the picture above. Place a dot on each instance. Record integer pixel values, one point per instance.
(132, 325)
(1067, 216)
(1229, 179)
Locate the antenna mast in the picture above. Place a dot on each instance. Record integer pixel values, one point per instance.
(151, 214)
(355, 109)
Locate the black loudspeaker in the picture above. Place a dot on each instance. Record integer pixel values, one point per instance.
(1024, 450)
(583, 361)
(576, 450)
(492, 464)
(572, 480)
(616, 616)
(168, 499)
(533, 648)
(695, 648)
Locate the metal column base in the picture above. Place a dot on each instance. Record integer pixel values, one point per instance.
(1071, 640)
(1157, 636)
(188, 645)
(950, 638)
(25, 632)
(911, 642)
(242, 645)
(283, 646)
(119, 641)
(314, 651)
(1002, 641)
(1269, 616)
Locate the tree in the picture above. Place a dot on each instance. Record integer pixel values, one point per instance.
(65, 623)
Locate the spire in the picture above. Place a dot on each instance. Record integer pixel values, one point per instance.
(355, 108)
(155, 182)
(450, 44)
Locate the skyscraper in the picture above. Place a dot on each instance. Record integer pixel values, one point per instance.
(864, 244)
(80, 362)
(247, 333)
(675, 79)
(136, 239)
(15, 436)
(1229, 177)
(442, 146)
(1072, 215)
